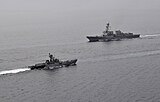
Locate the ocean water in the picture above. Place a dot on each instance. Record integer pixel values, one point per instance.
(117, 71)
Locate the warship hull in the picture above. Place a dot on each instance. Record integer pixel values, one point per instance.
(113, 38)
(53, 66)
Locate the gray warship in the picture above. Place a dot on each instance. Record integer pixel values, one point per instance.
(109, 35)
(53, 63)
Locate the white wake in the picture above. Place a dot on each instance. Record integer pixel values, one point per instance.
(14, 71)
(150, 35)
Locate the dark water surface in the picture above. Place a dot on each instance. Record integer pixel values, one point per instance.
(118, 71)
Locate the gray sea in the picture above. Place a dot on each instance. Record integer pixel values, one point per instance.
(117, 71)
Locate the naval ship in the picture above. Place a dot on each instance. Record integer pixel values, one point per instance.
(109, 35)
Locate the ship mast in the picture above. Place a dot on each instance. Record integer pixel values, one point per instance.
(107, 29)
